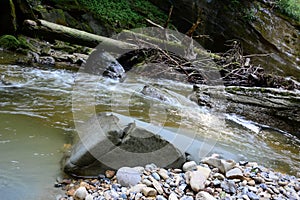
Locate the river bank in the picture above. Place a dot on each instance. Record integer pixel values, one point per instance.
(213, 178)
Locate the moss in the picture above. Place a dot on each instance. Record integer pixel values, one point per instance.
(124, 14)
(9, 42)
(290, 8)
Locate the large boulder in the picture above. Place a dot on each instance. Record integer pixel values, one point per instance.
(111, 141)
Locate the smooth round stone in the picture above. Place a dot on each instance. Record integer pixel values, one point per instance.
(189, 166)
(81, 193)
(127, 176)
(216, 182)
(150, 167)
(251, 182)
(156, 176)
(163, 173)
(148, 191)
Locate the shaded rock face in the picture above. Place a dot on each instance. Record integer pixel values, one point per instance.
(268, 32)
(110, 141)
(8, 24)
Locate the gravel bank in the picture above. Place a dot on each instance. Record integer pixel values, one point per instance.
(213, 178)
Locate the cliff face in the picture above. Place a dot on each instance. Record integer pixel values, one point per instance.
(259, 28)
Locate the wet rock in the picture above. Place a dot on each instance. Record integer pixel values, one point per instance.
(204, 196)
(107, 137)
(80, 193)
(127, 176)
(235, 173)
(155, 176)
(189, 166)
(47, 60)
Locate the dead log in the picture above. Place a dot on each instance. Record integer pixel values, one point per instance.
(52, 31)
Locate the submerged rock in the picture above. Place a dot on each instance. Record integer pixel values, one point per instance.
(110, 141)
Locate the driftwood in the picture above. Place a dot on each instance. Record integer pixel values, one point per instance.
(52, 31)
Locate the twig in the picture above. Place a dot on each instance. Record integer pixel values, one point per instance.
(169, 16)
(257, 55)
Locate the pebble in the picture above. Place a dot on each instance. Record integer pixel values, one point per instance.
(128, 176)
(228, 186)
(172, 196)
(235, 173)
(189, 166)
(204, 196)
(156, 176)
(109, 173)
(81, 193)
(205, 181)
(163, 173)
(150, 167)
(148, 191)
(252, 196)
(197, 180)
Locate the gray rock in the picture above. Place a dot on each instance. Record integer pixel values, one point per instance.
(156, 176)
(150, 167)
(80, 193)
(127, 176)
(187, 198)
(235, 173)
(111, 141)
(222, 165)
(196, 180)
(228, 186)
(204, 196)
(189, 166)
(252, 196)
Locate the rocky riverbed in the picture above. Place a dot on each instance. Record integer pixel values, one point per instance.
(212, 178)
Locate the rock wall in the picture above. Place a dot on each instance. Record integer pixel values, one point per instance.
(259, 29)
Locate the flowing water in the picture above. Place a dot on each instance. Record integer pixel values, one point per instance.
(36, 122)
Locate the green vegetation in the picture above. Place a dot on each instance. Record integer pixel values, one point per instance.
(290, 8)
(10, 42)
(124, 13)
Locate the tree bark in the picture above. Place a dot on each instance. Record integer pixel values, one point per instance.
(52, 31)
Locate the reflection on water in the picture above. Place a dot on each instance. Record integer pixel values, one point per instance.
(36, 119)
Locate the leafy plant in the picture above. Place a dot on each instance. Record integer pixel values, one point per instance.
(290, 8)
(124, 13)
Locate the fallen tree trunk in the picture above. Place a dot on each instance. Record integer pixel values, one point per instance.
(52, 31)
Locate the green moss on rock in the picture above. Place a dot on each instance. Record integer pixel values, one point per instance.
(9, 42)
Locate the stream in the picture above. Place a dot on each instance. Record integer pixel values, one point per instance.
(37, 122)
